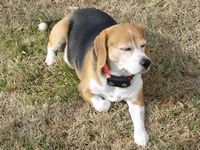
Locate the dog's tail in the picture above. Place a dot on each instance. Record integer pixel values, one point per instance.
(46, 25)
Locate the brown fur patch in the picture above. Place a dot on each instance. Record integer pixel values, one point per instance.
(88, 73)
(100, 47)
(58, 35)
(122, 36)
(140, 99)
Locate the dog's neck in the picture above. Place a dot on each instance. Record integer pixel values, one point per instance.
(115, 70)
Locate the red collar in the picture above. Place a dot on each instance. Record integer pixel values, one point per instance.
(107, 71)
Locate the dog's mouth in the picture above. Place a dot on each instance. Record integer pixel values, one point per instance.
(143, 70)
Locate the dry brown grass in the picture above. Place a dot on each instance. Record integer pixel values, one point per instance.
(40, 108)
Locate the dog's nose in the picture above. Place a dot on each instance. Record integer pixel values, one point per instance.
(145, 62)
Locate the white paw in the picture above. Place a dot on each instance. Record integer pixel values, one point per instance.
(141, 138)
(49, 61)
(100, 104)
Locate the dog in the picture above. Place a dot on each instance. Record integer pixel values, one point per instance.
(108, 58)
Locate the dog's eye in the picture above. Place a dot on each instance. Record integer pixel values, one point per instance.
(126, 49)
(143, 45)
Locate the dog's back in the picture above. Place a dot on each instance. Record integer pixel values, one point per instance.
(85, 25)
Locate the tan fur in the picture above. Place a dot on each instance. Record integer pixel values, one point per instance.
(123, 37)
(103, 46)
(140, 99)
(100, 47)
(86, 75)
(58, 35)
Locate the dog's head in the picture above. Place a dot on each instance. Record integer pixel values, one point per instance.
(124, 45)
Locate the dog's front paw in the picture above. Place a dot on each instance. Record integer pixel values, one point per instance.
(141, 138)
(100, 104)
(49, 61)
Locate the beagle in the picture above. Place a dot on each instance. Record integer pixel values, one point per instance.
(108, 58)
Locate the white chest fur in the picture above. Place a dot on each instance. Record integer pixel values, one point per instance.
(115, 94)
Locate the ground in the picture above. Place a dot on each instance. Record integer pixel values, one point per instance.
(40, 107)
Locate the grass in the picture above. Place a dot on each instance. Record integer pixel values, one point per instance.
(41, 109)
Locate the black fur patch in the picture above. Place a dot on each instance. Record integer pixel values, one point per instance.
(85, 25)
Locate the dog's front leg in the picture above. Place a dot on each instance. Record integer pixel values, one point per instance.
(100, 104)
(137, 113)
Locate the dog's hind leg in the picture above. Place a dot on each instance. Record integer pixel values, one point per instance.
(66, 58)
(57, 40)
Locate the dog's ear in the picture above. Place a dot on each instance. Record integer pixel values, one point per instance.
(101, 50)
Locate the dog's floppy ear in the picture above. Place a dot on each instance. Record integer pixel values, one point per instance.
(100, 47)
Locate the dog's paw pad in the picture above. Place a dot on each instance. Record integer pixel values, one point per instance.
(100, 104)
(141, 138)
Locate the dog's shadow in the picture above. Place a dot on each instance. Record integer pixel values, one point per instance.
(173, 74)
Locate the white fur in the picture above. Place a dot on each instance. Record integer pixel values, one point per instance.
(51, 53)
(116, 94)
(137, 112)
(66, 58)
(101, 105)
(124, 63)
(43, 26)
(132, 63)
(50, 59)
(65, 55)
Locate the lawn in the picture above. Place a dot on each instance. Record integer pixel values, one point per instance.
(40, 107)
